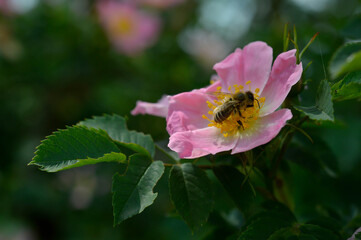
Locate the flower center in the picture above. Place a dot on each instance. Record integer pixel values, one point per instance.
(123, 25)
(243, 111)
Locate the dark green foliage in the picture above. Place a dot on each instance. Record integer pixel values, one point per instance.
(317, 157)
(323, 108)
(75, 147)
(347, 88)
(133, 191)
(191, 194)
(346, 59)
(116, 128)
(236, 185)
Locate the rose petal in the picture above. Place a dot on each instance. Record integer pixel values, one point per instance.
(262, 131)
(201, 142)
(159, 109)
(257, 62)
(285, 73)
(186, 110)
(230, 69)
(253, 63)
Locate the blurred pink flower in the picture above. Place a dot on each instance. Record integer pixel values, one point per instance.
(128, 28)
(160, 3)
(5, 7)
(194, 133)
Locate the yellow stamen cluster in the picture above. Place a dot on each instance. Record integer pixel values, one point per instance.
(123, 25)
(231, 125)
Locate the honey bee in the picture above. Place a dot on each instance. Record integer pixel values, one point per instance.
(234, 105)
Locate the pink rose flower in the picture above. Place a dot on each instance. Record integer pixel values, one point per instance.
(129, 29)
(190, 118)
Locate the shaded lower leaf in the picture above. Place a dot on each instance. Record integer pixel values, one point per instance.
(133, 191)
(275, 209)
(233, 181)
(329, 223)
(323, 108)
(318, 232)
(316, 156)
(287, 233)
(116, 128)
(263, 228)
(74, 147)
(191, 193)
(347, 88)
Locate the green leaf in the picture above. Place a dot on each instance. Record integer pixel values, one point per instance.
(328, 223)
(347, 88)
(318, 232)
(346, 59)
(274, 217)
(133, 192)
(287, 233)
(323, 108)
(274, 210)
(263, 228)
(74, 147)
(233, 181)
(315, 157)
(191, 193)
(116, 128)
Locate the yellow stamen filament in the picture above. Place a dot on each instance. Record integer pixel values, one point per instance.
(231, 125)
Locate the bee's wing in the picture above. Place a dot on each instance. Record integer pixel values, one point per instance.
(218, 94)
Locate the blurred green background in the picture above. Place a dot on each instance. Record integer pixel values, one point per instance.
(58, 67)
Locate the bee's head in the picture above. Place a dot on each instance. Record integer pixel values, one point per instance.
(250, 96)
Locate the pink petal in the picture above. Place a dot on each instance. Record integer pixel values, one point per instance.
(186, 110)
(200, 142)
(285, 73)
(263, 131)
(253, 63)
(257, 62)
(230, 70)
(159, 109)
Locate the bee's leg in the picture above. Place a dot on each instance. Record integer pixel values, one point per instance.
(240, 124)
(239, 113)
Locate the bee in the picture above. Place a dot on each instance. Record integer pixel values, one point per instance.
(234, 105)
